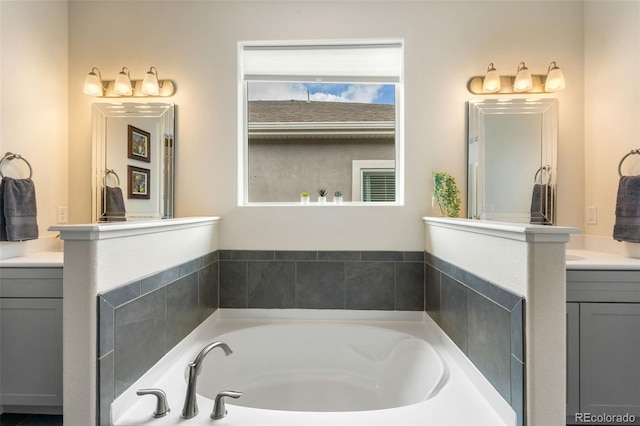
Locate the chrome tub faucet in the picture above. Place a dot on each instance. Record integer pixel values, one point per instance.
(190, 408)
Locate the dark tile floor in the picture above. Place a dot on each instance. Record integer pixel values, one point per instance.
(10, 419)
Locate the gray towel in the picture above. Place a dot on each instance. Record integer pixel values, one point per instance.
(627, 225)
(114, 210)
(19, 213)
(541, 204)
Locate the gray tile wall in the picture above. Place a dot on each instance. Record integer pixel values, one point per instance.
(380, 280)
(484, 320)
(140, 321)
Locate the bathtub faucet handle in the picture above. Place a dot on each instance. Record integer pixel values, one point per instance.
(162, 407)
(219, 409)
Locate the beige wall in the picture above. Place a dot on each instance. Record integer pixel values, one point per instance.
(194, 43)
(33, 103)
(612, 108)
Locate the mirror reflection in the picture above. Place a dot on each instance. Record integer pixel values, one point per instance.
(512, 160)
(133, 161)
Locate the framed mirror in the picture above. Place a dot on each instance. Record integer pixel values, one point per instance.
(133, 161)
(512, 159)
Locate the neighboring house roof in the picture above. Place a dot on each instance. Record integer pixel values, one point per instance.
(302, 119)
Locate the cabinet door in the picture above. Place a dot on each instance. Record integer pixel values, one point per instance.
(610, 358)
(573, 361)
(31, 351)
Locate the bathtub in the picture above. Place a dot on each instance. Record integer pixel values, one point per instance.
(306, 367)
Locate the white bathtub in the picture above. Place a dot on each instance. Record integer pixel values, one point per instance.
(305, 367)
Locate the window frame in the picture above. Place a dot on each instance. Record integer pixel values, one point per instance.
(243, 113)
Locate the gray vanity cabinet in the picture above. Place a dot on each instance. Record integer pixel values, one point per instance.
(31, 340)
(603, 344)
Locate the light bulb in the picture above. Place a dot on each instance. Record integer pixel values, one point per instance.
(555, 79)
(122, 85)
(93, 83)
(523, 82)
(491, 83)
(150, 83)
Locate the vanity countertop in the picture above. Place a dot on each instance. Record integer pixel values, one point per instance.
(46, 259)
(595, 260)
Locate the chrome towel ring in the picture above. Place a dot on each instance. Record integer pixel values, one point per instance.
(108, 172)
(632, 152)
(11, 156)
(540, 170)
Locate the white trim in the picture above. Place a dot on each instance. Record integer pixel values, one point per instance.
(360, 128)
(103, 231)
(319, 60)
(512, 231)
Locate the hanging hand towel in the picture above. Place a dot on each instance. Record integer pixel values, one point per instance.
(541, 204)
(114, 205)
(627, 224)
(19, 212)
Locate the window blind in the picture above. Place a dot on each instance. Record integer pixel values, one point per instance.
(350, 61)
(378, 185)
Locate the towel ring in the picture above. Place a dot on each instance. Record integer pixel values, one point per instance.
(11, 156)
(548, 170)
(107, 172)
(633, 151)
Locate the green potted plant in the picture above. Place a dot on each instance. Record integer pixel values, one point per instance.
(304, 198)
(446, 194)
(337, 196)
(322, 196)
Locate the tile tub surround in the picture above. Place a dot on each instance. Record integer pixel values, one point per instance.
(485, 321)
(140, 321)
(358, 280)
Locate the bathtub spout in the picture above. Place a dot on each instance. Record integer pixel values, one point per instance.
(190, 408)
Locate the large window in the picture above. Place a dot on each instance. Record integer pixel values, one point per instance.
(310, 113)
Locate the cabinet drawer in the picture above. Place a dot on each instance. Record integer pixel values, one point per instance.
(31, 282)
(603, 286)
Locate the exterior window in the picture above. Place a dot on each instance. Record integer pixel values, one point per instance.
(311, 114)
(378, 185)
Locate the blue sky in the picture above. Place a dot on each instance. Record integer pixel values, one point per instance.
(327, 92)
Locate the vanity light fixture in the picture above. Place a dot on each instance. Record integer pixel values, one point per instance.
(150, 85)
(555, 78)
(93, 83)
(522, 82)
(123, 86)
(491, 82)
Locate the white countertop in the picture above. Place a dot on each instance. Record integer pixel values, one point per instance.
(46, 259)
(587, 259)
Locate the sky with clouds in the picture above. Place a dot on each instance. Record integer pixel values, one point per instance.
(323, 92)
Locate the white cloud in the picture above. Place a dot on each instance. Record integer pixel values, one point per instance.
(361, 93)
(259, 91)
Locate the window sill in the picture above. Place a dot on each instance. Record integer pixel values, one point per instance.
(327, 204)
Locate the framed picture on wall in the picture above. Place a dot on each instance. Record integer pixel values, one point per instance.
(139, 144)
(138, 180)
